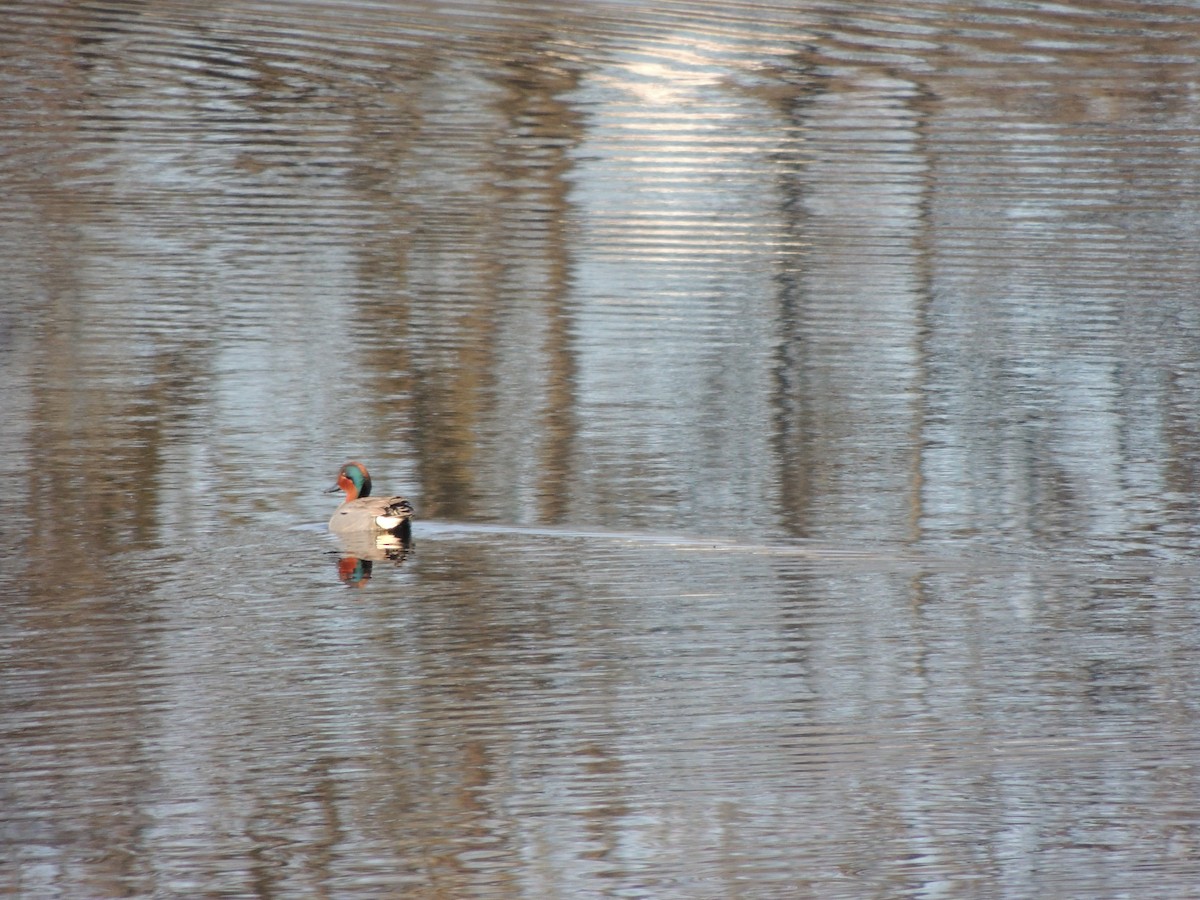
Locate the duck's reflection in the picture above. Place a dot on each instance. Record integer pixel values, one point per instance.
(359, 553)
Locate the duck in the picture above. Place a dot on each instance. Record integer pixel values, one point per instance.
(360, 512)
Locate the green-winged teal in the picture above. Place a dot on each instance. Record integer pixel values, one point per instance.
(361, 512)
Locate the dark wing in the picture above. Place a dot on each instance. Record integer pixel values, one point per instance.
(398, 506)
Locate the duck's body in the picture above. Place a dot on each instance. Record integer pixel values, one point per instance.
(360, 512)
(371, 514)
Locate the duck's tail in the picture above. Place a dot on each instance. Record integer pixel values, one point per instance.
(396, 517)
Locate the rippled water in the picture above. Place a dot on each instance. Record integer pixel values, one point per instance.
(799, 402)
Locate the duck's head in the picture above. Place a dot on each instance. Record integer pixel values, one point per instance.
(354, 480)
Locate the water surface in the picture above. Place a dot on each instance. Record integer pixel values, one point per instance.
(799, 404)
